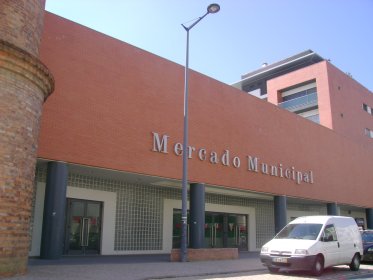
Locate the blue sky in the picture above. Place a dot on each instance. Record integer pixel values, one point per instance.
(242, 36)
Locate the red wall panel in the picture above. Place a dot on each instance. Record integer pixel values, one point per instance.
(111, 96)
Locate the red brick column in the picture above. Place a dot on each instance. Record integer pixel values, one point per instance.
(24, 85)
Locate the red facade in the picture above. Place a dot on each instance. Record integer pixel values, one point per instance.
(111, 98)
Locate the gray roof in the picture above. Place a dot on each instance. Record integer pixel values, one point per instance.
(284, 66)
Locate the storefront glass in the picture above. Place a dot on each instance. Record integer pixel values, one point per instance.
(83, 227)
(222, 230)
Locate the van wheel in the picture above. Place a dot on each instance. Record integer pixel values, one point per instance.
(273, 269)
(318, 266)
(355, 263)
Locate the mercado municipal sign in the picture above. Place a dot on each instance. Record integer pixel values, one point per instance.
(251, 163)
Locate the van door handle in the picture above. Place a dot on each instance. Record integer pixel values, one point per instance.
(338, 244)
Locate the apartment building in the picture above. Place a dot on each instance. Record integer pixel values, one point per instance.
(310, 86)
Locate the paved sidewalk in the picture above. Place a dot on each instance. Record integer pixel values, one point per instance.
(134, 267)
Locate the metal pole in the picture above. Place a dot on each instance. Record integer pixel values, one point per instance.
(184, 190)
(184, 185)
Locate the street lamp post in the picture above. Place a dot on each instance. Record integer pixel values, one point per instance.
(211, 9)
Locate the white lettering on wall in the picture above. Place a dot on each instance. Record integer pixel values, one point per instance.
(160, 145)
(253, 163)
(226, 158)
(178, 149)
(202, 154)
(236, 162)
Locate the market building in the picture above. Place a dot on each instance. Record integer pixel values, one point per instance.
(108, 173)
(112, 134)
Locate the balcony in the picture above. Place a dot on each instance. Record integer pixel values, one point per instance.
(300, 103)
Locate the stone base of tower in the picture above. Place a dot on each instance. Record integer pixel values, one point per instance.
(12, 266)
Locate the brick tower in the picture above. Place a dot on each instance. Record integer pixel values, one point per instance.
(24, 85)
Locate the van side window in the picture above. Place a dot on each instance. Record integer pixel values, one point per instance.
(329, 233)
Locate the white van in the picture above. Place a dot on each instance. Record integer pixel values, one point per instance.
(314, 243)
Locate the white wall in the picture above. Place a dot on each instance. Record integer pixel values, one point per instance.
(109, 201)
(38, 220)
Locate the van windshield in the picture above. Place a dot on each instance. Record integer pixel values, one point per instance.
(300, 231)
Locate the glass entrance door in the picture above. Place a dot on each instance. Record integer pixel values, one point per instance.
(83, 227)
(237, 231)
(222, 230)
(214, 231)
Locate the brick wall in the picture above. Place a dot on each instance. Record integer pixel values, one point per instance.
(24, 84)
(111, 96)
(21, 23)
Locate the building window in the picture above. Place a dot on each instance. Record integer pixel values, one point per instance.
(312, 115)
(314, 118)
(368, 109)
(369, 132)
(299, 98)
(299, 94)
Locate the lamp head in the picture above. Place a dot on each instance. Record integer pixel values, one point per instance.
(213, 8)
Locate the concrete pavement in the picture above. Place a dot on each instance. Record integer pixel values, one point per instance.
(138, 267)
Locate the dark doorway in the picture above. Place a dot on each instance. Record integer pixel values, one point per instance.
(83, 227)
(222, 230)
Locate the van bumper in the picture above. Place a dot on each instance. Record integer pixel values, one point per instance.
(288, 263)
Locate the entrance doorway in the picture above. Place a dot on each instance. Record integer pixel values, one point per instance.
(83, 227)
(222, 230)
